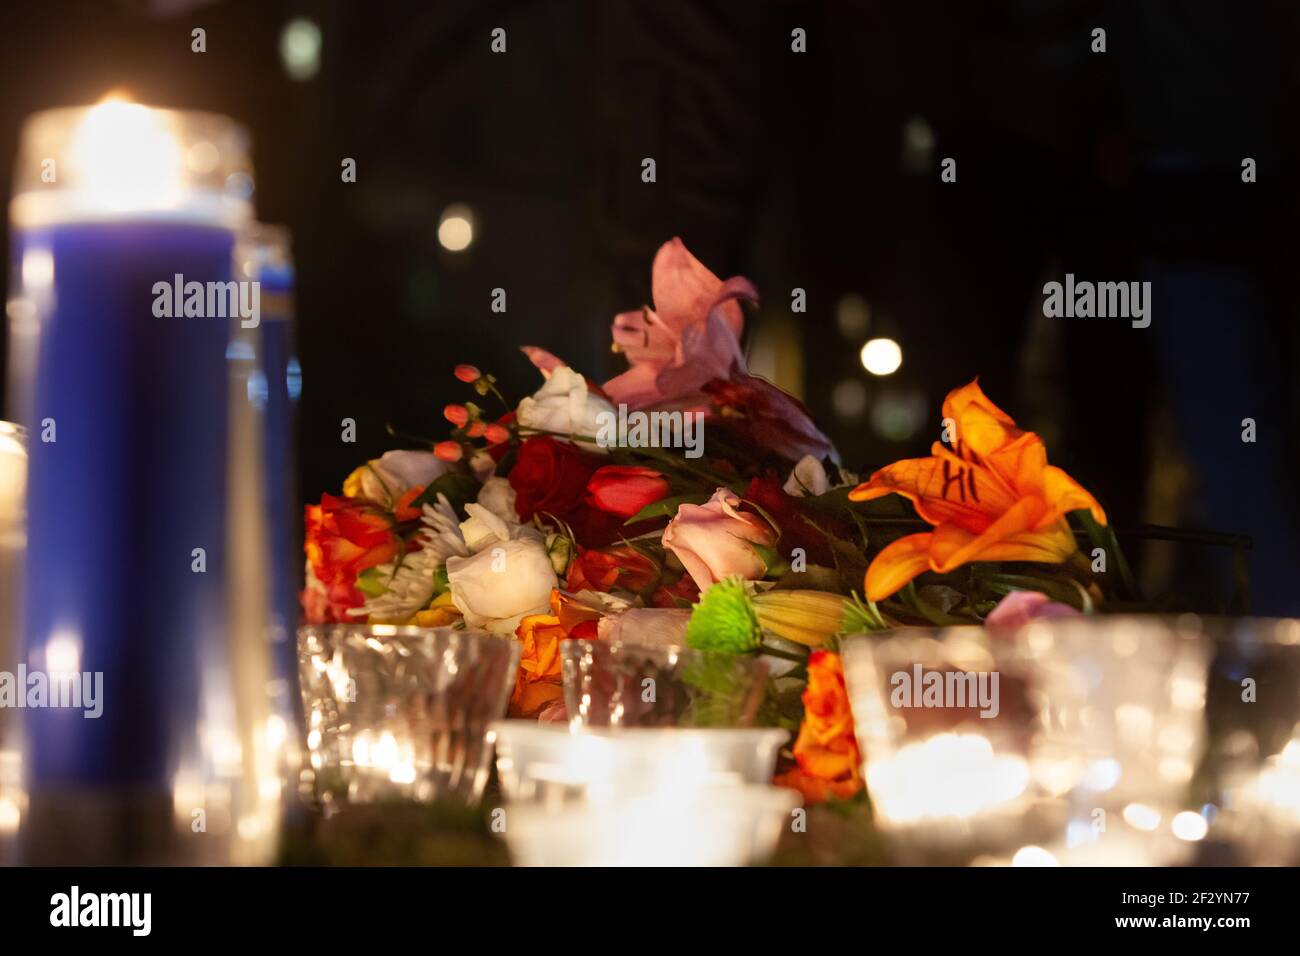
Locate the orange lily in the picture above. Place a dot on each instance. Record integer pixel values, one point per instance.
(992, 496)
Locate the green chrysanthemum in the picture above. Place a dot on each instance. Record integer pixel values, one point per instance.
(724, 620)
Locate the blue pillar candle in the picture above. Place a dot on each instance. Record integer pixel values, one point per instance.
(121, 214)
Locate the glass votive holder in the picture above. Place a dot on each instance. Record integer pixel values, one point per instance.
(13, 544)
(554, 766)
(1131, 690)
(621, 684)
(1253, 766)
(962, 754)
(401, 712)
(710, 826)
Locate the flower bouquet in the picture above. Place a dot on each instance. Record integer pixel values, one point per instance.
(688, 501)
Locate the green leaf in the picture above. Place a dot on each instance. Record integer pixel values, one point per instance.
(931, 612)
(371, 582)
(440, 583)
(1103, 536)
(665, 507)
(860, 616)
(459, 487)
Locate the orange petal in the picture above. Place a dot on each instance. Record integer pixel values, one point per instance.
(1012, 538)
(532, 697)
(943, 488)
(1019, 464)
(1066, 494)
(898, 563)
(981, 425)
(403, 511)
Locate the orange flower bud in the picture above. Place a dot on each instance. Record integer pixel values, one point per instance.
(448, 451)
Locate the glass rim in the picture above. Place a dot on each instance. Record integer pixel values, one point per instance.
(1193, 624)
(757, 796)
(389, 631)
(561, 729)
(569, 643)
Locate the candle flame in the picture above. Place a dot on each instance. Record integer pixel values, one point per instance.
(128, 156)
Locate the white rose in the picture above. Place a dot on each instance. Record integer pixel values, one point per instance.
(564, 405)
(394, 472)
(482, 528)
(493, 517)
(500, 584)
(483, 465)
(498, 497)
(808, 479)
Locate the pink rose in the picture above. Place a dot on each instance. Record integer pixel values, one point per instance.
(716, 540)
(1020, 607)
(553, 713)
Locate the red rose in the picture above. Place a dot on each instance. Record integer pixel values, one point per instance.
(681, 593)
(620, 567)
(550, 476)
(624, 490)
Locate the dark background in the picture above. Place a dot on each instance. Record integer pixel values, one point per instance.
(817, 170)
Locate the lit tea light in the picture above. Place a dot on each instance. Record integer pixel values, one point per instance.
(1190, 826)
(385, 756)
(1278, 785)
(553, 766)
(724, 826)
(948, 776)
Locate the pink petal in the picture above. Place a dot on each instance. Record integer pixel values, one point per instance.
(685, 290)
(1020, 607)
(544, 360)
(643, 337)
(636, 388)
(705, 352)
(727, 303)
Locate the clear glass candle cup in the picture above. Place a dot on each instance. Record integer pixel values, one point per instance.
(622, 684)
(1251, 779)
(1131, 690)
(1082, 751)
(401, 712)
(961, 753)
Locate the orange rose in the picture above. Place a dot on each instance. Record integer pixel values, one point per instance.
(345, 536)
(576, 618)
(538, 682)
(830, 763)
